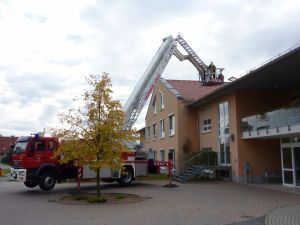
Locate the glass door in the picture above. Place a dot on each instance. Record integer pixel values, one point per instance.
(297, 165)
(287, 166)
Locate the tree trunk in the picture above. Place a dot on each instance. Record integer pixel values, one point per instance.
(78, 179)
(98, 183)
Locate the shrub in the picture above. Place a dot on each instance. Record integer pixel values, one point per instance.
(7, 157)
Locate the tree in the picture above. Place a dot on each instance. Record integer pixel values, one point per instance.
(93, 134)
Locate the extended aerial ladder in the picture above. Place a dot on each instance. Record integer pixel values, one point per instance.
(146, 84)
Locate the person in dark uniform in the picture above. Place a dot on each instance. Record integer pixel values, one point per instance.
(212, 69)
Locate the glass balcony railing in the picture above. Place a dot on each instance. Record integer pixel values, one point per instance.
(270, 120)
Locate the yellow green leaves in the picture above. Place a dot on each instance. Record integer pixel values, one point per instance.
(92, 135)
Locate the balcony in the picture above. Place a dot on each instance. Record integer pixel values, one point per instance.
(277, 123)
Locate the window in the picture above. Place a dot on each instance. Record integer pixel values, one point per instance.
(172, 157)
(206, 125)
(162, 155)
(224, 144)
(171, 125)
(148, 133)
(161, 100)
(154, 130)
(37, 146)
(154, 105)
(161, 128)
(154, 154)
(51, 146)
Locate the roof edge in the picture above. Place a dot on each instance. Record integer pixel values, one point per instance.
(173, 90)
(250, 72)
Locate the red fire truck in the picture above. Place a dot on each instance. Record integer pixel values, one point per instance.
(34, 164)
(33, 161)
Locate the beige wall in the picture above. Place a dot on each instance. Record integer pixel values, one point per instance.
(211, 139)
(170, 107)
(185, 139)
(208, 140)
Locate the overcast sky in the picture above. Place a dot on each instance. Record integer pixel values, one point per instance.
(47, 48)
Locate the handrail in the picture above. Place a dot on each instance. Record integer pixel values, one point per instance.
(186, 160)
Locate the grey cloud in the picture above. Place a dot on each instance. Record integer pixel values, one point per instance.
(32, 87)
(22, 126)
(37, 18)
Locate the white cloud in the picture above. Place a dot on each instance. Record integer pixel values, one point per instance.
(48, 47)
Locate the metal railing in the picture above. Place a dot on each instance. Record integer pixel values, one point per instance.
(274, 119)
(202, 158)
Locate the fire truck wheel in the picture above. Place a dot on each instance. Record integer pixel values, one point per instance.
(126, 177)
(47, 181)
(30, 184)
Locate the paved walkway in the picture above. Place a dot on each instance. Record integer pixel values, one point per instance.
(288, 215)
(205, 203)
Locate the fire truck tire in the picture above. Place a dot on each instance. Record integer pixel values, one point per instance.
(30, 184)
(127, 178)
(47, 181)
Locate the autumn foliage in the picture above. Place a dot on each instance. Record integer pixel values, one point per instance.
(93, 135)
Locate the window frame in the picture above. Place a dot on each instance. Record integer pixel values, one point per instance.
(172, 124)
(154, 133)
(162, 131)
(161, 100)
(206, 125)
(154, 109)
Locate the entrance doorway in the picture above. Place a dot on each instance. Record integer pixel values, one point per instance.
(290, 160)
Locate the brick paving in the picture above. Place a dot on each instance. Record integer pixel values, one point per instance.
(204, 203)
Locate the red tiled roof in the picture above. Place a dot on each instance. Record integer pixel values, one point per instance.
(192, 90)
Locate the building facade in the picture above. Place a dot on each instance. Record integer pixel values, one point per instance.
(171, 129)
(6, 142)
(253, 123)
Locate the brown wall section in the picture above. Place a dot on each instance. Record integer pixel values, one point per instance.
(261, 154)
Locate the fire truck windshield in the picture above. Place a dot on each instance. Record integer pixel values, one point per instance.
(20, 147)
